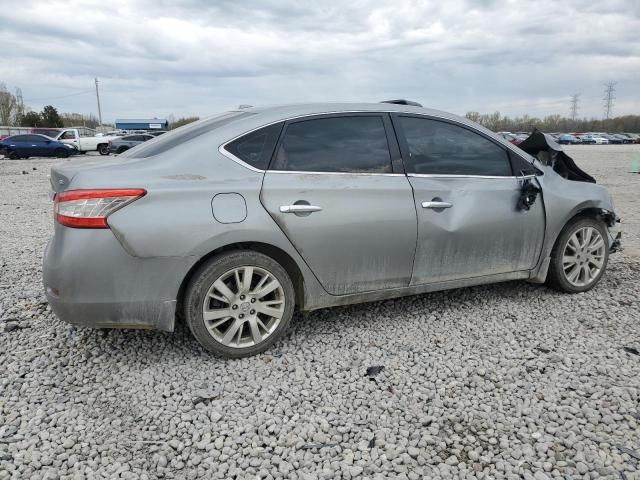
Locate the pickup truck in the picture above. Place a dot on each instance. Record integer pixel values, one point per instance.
(83, 141)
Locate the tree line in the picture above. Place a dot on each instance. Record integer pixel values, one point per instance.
(555, 123)
(13, 112)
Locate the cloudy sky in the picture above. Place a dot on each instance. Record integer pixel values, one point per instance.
(197, 57)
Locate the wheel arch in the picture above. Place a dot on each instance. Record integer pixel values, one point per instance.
(277, 254)
(584, 210)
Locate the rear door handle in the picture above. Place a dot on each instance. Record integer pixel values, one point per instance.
(436, 204)
(299, 208)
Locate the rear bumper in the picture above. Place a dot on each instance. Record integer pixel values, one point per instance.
(90, 280)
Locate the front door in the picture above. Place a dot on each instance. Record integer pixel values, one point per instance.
(466, 196)
(333, 191)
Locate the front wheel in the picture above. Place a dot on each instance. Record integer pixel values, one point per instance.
(239, 303)
(579, 257)
(61, 152)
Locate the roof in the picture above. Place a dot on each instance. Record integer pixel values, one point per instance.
(141, 120)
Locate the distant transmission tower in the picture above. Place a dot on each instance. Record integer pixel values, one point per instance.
(609, 97)
(575, 99)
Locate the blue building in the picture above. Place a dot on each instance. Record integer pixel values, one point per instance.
(142, 124)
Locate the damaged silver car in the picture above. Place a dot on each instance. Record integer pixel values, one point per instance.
(234, 222)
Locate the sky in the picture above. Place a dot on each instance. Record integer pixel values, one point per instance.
(156, 58)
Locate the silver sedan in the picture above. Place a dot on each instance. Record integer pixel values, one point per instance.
(234, 222)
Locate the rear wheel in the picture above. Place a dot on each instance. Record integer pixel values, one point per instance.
(122, 149)
(579, 257)
(61, 152)
(103, 149)
(13, 155)
(239, 303)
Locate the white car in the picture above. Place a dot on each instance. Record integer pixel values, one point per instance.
(594, 139)
(84, 142)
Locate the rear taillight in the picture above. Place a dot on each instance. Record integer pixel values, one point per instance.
(90, 208)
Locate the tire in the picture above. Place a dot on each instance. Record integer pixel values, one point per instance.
(232, 335)
(561, 270)
(61, 152)
(103, 149)
(13, 155)
(122, 149)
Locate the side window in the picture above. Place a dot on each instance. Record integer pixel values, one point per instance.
(256, 148)
(437, 147)
(355, 144)
(68, 136)
(20, 138)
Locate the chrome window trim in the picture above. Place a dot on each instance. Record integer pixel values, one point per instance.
(230, 156)
(446, 175)
(368, 174)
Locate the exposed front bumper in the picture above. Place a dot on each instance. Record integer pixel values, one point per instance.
(90, 280)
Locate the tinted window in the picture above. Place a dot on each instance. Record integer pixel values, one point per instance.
(256, 148)
(19, 138)
(184, 134)
(437, 147)
(340, 144)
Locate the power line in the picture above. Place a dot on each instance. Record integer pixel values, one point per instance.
(575, 99)
(609, 97)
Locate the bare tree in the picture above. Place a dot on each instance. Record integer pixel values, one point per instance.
(20, 110)
(575, 99)
(609, 97)
(7, 105)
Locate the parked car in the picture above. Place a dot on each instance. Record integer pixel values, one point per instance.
(568, 139)
(593, 139)
(612, 138)
(122, 144)
(237, 220)
(33, 145)
(82, 142)
(624, 138)
(112, 133)
(634, 136)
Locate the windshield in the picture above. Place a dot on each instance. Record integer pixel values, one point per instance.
(183, 134)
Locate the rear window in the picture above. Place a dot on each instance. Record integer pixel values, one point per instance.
(256, 148)
(183, 134)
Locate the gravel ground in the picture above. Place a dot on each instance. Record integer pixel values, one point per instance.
(503, 381)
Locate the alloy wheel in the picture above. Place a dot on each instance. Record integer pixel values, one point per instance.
(243, 306)
(583, 256)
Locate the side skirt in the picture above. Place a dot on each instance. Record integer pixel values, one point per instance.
(332, 301)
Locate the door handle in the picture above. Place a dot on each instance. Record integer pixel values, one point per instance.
(436, 204)
(299, 208)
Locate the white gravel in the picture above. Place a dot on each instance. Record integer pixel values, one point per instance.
(504, 381)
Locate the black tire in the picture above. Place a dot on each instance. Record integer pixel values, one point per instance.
(103, 149)
(61, 152)
(122, 149)
(13, 155)
(556, 277)
(218, 267)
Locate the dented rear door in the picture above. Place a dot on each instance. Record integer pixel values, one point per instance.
(333, 191)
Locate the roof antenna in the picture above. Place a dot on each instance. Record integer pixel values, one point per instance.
(402, 101)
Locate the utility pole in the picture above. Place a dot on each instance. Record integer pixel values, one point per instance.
(575, 99)
(609, 97)
(98, 98)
